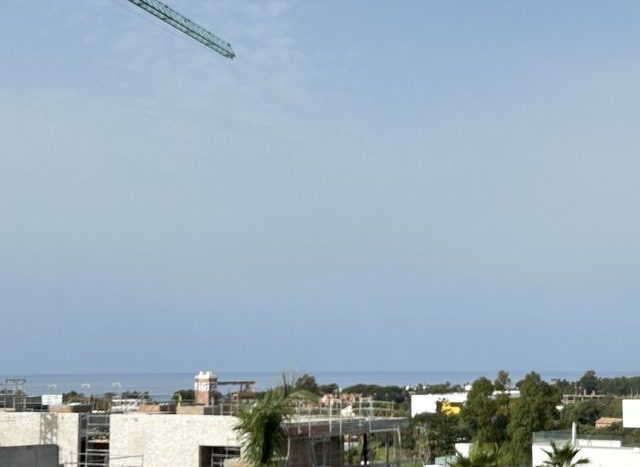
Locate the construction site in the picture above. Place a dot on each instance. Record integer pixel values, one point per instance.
(111, 431)
(117, 430)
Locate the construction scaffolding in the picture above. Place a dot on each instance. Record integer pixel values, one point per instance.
(12, 394)
(118, 461)
(344, 433)
(94, 440)
(337, 430)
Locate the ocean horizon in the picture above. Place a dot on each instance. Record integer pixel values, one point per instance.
(162, 384)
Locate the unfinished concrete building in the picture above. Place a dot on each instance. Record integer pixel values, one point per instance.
(148, 433)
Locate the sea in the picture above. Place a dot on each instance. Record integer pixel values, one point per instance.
(161, 385)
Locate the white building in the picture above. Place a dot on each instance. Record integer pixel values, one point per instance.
(631, 413)
(428, 403)
(601, 451)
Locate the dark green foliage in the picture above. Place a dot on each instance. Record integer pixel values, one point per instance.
(626, 435)
(563, 456)
(184, 395)
(620, 386)
(73, 396)
(443, 388)
(502, 381)
(535, 410)
(587, 412)
(395, 394)
(331, 388)
(306, 383)
(565, 386)
(589, 382)
(612, 407)
(485, 416)
(435, 435)
(261, 430)
(479, 457)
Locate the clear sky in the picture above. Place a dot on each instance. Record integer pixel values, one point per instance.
(369, 185)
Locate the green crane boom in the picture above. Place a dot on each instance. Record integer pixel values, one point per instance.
(185, 25)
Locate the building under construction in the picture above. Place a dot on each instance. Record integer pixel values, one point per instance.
(144, 432)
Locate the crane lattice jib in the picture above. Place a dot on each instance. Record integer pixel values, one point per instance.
(185, 25)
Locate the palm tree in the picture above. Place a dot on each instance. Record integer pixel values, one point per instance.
(563, 456)
(262, 435)
(478, 458)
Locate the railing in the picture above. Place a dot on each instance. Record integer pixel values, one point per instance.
(623, 440)
(556, 436)
(117, 461)
(331, 409)
(334, 408)
(564, 436)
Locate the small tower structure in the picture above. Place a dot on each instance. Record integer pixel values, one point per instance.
(205, 386)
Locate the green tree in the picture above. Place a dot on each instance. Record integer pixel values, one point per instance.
(331, 388)
(73, 397)
(584, 412)
(485, 416)
(395, 394)
(306, 383)
(435, 435)
(502, 385)
(502, 381)
(565, 386)
(612, 407)
(261, 432)
(563, 456)
(535, 410)
(479, 457)
(184, 395)
(589, 382)
(441, 388)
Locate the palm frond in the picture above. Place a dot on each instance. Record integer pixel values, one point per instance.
(260, 429)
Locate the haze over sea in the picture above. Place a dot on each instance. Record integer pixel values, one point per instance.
(162, 385)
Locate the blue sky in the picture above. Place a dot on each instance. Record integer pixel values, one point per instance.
(369, 185)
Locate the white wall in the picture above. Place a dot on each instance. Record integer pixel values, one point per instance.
(168, 440)
(631, 413)
(464, 449)
(29, 428)
(599, 456)
(427, 403)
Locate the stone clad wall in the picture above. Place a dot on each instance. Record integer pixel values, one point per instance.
(35, 428)
(167, 440)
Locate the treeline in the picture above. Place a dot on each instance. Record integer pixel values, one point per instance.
(591, 383)
(397, 394)
(490, 419)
